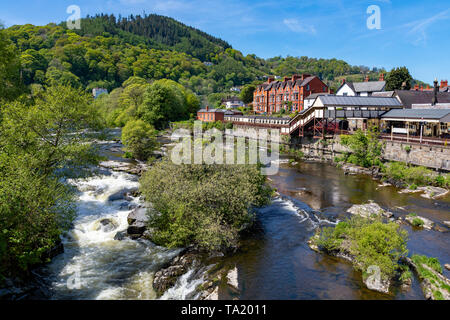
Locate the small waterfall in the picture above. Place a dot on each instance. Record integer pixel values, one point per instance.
(185, 288)
(94, 265)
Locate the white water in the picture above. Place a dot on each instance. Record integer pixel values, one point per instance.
(94, 265)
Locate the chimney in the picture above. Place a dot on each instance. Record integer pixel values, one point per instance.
(270, 79)
(382, 77)
(428, 87)
(207, 108)
(343, 81)
(416, 87)
(404, 85)
(305, 75)
(436, 90)
(295, 77)
(442, 84)
(367, 79)
(421, 88)
(445, 83)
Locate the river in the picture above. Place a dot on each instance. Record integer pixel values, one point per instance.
(275, 263)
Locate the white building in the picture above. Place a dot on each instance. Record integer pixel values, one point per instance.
(362, 89)
(233, 103)
(96, 92)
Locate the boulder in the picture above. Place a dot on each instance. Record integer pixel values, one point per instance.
(430, 192)
(124, 194)
(168, 276)
(107, 225)
(375, 284)
(121, 235)
(369, 210)
(427, 223)
(447, 266)
(447, 223)
(232, 279)
(137, 229)
(138, 215)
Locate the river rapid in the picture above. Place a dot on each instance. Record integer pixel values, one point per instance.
(274, 263)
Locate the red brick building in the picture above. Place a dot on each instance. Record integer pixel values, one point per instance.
(213, 115)
(272, 96)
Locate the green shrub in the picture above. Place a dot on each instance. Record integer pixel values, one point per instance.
(433, 263)
(365, 148)
(370, 242)
(417, 222)
(139, 139)
(200, 204)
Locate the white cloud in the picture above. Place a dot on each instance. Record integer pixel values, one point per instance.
(296, 26)
(419, 28)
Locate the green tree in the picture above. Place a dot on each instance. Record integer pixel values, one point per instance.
(199, 204)
(163, 102)
(41, 141)
(247, 93)
(365, 148)
(10, 83)
(397, 77)
(139, 139)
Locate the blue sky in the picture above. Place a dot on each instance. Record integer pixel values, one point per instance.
(413, 33)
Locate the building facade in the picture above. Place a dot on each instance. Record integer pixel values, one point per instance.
(289, 94)
(362, 89)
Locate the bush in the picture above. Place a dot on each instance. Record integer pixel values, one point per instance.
(200, 204)
(417, 222)
(366, 148)
(370, 242)
(139, 139)
(417, 176)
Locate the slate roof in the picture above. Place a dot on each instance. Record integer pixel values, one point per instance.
(410, 97)
(212, 110)
(434, 114)
(315, 95)
(359, 101)
(370, 86)
(284, 84)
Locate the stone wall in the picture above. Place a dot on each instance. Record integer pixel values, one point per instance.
(436, 157)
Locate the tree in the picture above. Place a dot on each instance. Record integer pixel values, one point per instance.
(247, 93)
(365, 148)
(10, 83)
(51, 129)
(139, 139)
(163, 102)
(199, 204)
(41, 141)
(396, 79)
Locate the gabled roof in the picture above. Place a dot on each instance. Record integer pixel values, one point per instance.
(315, 95)
(284, 84)
(332, 100)
(430, 114)
(386, 94)
(410, 97)
(370, 86)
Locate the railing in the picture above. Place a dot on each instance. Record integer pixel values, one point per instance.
(417, 140)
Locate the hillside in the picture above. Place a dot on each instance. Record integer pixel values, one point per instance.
(108, 50)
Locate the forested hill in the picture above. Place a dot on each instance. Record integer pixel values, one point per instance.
(162, 32)
(108, 50)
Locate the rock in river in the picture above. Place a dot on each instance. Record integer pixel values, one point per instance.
(369, 210)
